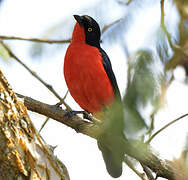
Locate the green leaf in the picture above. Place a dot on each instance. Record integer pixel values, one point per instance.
(143, 89)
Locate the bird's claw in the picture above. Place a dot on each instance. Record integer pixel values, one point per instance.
(86, 115)
(71, 113)
(58, 104)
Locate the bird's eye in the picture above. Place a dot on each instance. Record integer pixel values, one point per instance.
(90, 29)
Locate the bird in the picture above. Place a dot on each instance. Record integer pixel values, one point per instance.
(92, 84)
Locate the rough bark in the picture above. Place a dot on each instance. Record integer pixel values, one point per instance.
(23, 153)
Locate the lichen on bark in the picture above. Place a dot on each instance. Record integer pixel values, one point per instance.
(23, 153)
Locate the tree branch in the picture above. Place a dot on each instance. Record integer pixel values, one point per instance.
(164, 127)
(109, 25)
(131, 166)
(50, 41)
(56, 113)
(135, 149)
(58, 104)
(34, 39)
(148, 172)
(45, 122)
(163, 25)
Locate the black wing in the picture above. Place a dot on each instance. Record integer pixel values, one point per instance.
(110, 142)
(108, 68)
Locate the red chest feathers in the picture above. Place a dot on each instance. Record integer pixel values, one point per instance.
(86, 78)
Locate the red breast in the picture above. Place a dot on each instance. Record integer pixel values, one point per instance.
(85, 75)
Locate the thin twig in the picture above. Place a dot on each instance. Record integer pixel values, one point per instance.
(34, 39)
(125, 3)
(162, 12)
(58, 104)
(128, 2)
(47, 40)
(46, 120)
(164, 127)
(63, 99)
(163, 25)
(130, 165)
(109, 25)
(147, 172)
(11, 54)
(65, 96)
(162, 96)
(151, 127)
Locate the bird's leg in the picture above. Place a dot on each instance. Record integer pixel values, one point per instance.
(59, 104)
(86, 115)
(72, 113)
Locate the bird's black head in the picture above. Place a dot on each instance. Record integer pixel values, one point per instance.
(91, 28)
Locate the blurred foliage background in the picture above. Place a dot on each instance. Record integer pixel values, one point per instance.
(147, 40)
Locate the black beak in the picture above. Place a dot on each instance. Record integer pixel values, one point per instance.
(79, 19)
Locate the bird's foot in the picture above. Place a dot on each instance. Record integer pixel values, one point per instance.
(58, 104)
(71, 113)
(86, 115)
